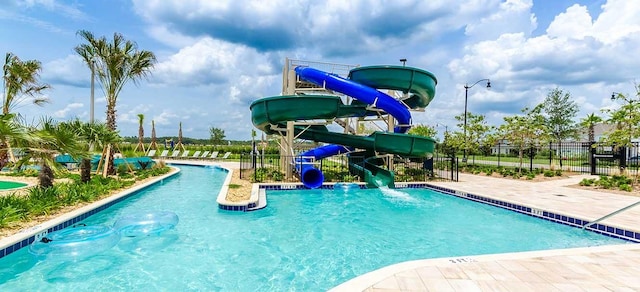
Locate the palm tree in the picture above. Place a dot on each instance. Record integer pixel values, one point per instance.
(153, 144)
(590, 121)
(140, 133)
(91, 134)
(50, 138)
(12, 132)
(115, 62)
(179, 145)
(20, 80)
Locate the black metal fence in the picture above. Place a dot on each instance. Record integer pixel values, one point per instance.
(582, 157)
(271, 168)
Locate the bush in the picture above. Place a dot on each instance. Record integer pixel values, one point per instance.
(549, 173)
(626, 187)
(558, 172)
(586, 182)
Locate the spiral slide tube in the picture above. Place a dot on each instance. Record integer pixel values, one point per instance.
(270, 115)
(312, 177)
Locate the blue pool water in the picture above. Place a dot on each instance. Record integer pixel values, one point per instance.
(305, 240)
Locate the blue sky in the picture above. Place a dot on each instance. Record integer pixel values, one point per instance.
(216, 57)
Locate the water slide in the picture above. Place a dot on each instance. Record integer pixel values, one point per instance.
(270, 115)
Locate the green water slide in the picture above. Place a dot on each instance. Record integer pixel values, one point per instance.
(270, 114)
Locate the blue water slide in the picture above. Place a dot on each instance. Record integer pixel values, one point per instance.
(360, 92)
(312, 177)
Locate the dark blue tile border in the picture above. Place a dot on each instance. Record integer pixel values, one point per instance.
(611, 231)
(25, 242)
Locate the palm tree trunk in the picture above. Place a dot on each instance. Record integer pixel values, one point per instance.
(85, 170)
(111, 124)
(4, 157)
(45, 177)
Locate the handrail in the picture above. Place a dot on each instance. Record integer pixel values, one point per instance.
(610, 214)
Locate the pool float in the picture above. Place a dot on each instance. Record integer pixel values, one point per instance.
(344, 186)
(75, 242)
(146, 223)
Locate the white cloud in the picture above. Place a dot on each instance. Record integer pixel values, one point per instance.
(512, 16)
(65, 113)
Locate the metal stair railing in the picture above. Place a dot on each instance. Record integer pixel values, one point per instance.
(610, 214)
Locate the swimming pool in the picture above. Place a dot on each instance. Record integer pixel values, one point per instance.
(308, 240)
(9, 185)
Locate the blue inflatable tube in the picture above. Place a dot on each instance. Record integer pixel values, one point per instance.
(145, 223)
(75, 243)
(310, 176)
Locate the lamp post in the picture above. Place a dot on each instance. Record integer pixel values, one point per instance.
(466, 97)
(93, 77)
(614, 96)
(404, 61)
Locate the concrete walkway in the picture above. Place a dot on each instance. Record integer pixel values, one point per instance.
(605, 268)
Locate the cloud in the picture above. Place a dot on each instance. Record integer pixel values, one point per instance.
(572, 52)
(512, 16)
(66, 113)
(70, 70)
(333, 27)
(210, 62)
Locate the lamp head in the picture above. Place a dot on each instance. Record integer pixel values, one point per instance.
(488, 84)
(613, 96)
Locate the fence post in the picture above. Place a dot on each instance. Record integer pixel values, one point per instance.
(550, 155)
(530, 158)
(592, 160)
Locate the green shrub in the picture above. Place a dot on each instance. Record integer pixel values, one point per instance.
(586, 182)
(626, 187)
(549, 173)
(558, 172)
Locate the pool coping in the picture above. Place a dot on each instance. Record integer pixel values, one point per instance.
(25, 237)
(367, 280)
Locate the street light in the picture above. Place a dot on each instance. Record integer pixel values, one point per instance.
(404, 61)
(616, 95)
(466, 96)
(93, 77)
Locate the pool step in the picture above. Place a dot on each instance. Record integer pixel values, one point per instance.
(262, 200)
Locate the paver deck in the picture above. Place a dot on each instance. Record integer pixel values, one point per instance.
(604, 268)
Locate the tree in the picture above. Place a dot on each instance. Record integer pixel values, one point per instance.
(217, 135)
(477, 131)
(589, 122)
(560, 111)
(20, 81)
(115, 63)
(50, 138)
(423, 130)
(90, 134)
(154, 144)
(522, 131)
(12, 132)
(627, 119)
(140, 133)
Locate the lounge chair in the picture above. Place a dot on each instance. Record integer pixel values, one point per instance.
(175, 153)
(196, 155)
(204, 155)
(214, 155)
(164, 154)
(151, 153)
(226, 155)
(185, 154)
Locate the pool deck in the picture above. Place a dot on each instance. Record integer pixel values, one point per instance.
(604, 268)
